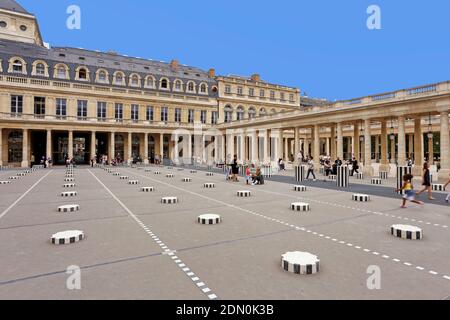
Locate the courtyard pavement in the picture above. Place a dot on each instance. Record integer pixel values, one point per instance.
(138, 248)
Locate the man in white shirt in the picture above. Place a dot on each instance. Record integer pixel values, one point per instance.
(311, 169)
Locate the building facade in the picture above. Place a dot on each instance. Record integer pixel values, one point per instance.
(72, 103)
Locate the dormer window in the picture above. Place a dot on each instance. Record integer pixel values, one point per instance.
(203, 88)
(178, 85)
(40, 69)
(191, 87)
(17, 66)
(61, 72)
(102, 76)
(82, 74)
(134, 80)
(164, 84)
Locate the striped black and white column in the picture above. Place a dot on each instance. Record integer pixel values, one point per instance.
(300, 173)
(342, 176)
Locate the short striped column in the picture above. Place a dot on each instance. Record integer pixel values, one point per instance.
(244, 194)
(300, 263)
(401, 171)
(69, 194)
(69, 208)
(67, 237)
(209, 219)
(186, 180)
(438, 187)
(342, 177)
(147, 189)
(300, 206)
(209, 185)
(361, 197)
(267, 171)
(169, 175)
(376, 181)
(5, 182)
(384, 175)
(407, 232)
(169, 200)
(133, 182)
(359, 176)
(300, 188)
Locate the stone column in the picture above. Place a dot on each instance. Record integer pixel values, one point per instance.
(356, 141)
(266, 146)
(254, 158)
(445, 147)
(216, 149)
(1, 146)
(393, 149)
(242, 146)
(25, 153)
(377, 147)
(48, 145)
(146, 148)
(161, 146)
(130, 148)
(384, 147)
(189, 148)
(430, 151)
(296, 143)
(340, 142)
(279, 151)
(418, 150)
(70, 146)
(222, 148)
(368, 169)
(333, 143)
(230, 146)
(93, 144)
(176, 149)
(316, 143)
(401, 142)
(112, 146)
(411, 146)
(286, 150)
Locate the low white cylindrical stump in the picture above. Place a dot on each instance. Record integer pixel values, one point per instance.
(407, 232)
(67, 237)
(361, 197)
(148, 170)
(69, 208)
(209, 219)
(332, 177)
(69, 194)
(21, 174)
(209, 174)
(359, 176)
(69, 185)
(14, 178)
(5, 182)
(300, 206)
(124, 177)
(300, 188)
(69, 176)
(384, 175)
(193, 171)
(377, 181)
(244, 194)
(209, 185)
(169, 175)
(69, 180)
(187, 180)
(169, 200)
(157, 172)
(300, 263)
(147, 189)
(133, 182)
(116, 174)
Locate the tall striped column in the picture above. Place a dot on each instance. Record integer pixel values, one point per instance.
(342, 176)
(300, 173)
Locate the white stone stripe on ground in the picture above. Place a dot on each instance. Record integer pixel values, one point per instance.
(156, 239)
(334, 240)
(23, 195)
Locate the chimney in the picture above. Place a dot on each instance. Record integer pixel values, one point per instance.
(256, 77)
(174, 64)
(212, 73)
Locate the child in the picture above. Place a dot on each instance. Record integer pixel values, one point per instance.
(409, 191)
(248, 175)
(448, 196)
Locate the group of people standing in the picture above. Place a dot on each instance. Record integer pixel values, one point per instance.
(253, 174)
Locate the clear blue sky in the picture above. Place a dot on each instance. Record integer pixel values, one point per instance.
(322, 47)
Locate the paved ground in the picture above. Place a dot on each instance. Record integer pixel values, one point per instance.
(138, 248)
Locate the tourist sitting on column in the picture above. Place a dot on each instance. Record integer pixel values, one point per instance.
(311, 169)
(281, 165)
(409, 163)
(258, 177)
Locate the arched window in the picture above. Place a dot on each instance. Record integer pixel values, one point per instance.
(273, 111)
(102, 76)
(251, 113)
(17, 66)
(134, 81)
(240, 113)
(228, 114)
(61, 71)
(178, 85)
(82, 74)
(262, 112)
(119, 78)
(40, 69)
(15, 141)
(191, 86)
(203, 88)
(164, 84)
(150, 82)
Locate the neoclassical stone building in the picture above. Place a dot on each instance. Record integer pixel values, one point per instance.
(64, 102)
